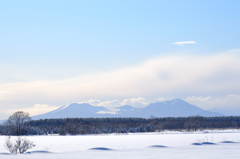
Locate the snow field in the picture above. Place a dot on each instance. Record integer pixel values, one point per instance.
(147, 145)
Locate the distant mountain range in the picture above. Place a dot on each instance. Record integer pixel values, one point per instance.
(170, 108)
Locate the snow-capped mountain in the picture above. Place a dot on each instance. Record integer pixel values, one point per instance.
(174, 108)
(170, 108)
(73, 110)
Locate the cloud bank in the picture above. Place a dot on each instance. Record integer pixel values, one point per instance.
(163, 77)
(135, 102)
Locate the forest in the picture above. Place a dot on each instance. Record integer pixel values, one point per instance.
(75, 126)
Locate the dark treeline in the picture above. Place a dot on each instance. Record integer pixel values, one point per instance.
(120, 125)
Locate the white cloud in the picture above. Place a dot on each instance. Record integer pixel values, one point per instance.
(2, 92)
(136, 102)
(181, 43)
(161, 99)
(35, 110)
(165, 77)
(94, 102)
(41, 105)
(112, 104)
(107, 112)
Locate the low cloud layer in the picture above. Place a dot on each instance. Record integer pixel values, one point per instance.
(135, 102)
(163, 77)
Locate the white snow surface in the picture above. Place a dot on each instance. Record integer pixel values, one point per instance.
(167, 145)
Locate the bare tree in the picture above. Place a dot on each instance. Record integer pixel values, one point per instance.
(9, 145)
(20, 146)
(17, 121)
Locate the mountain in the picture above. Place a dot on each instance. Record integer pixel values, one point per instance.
(73, 110)
(170, 108)
(174, 108)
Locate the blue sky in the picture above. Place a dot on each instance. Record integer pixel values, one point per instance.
(58, 41)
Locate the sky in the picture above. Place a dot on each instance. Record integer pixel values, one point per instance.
(112, 53)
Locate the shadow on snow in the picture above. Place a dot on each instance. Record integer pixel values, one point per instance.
(100, 148)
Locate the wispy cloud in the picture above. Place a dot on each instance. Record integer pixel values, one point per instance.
(181, 43)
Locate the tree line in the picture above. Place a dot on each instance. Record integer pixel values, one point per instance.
(21, 124)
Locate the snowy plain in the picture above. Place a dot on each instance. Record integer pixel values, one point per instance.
(211, 144)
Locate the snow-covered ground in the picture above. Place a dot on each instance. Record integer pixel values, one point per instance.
(166, 145)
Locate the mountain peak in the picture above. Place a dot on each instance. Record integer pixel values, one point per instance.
(176, 100)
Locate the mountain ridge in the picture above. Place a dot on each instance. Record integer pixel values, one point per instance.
(170, 108)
